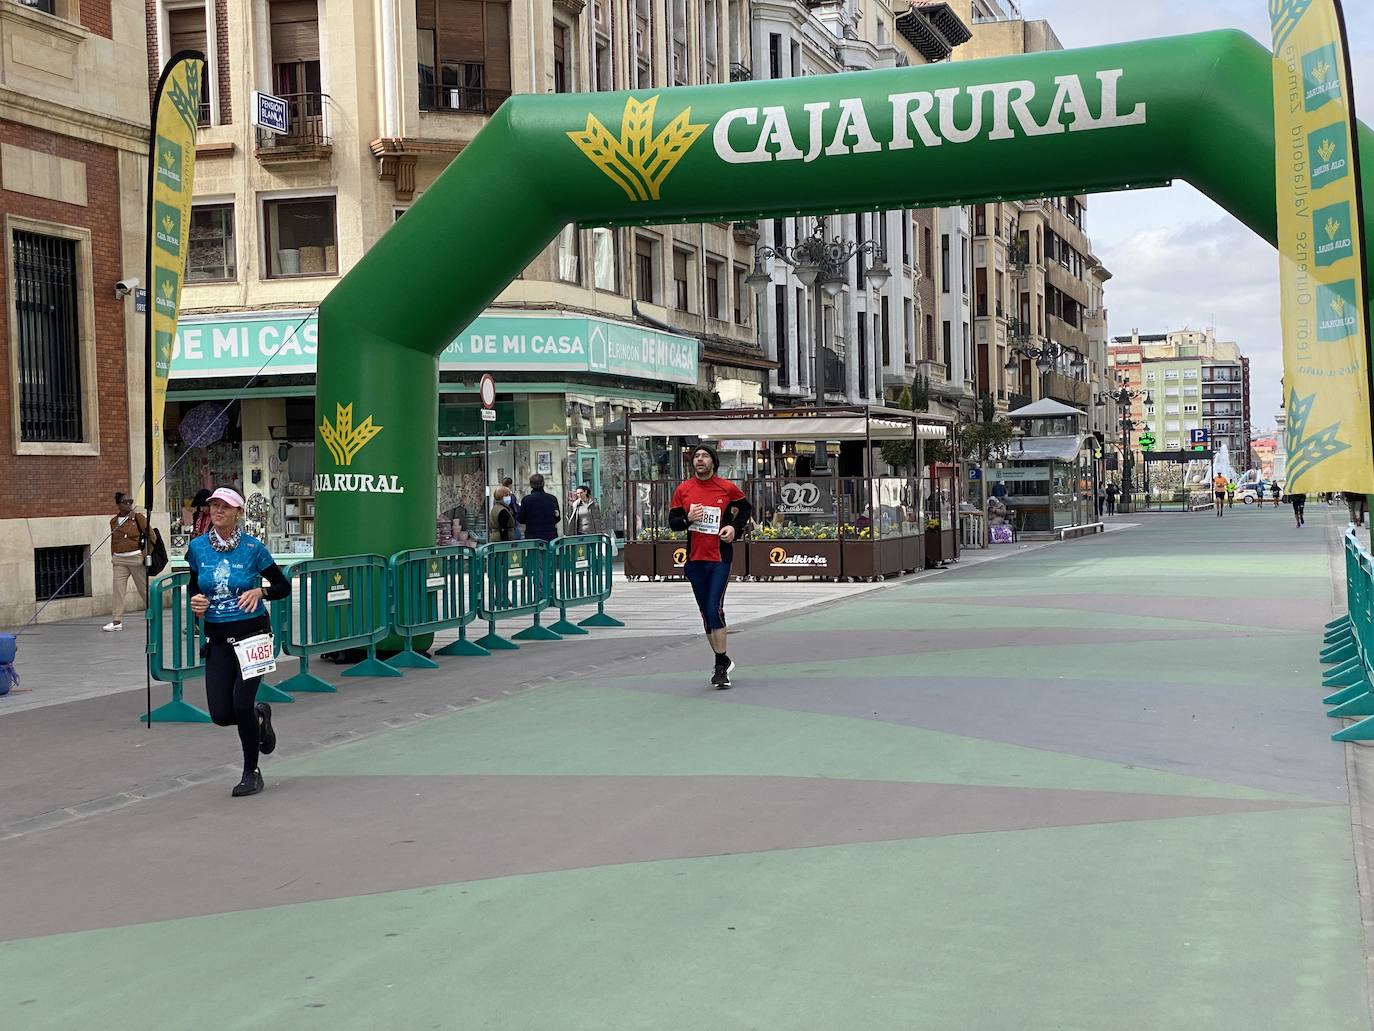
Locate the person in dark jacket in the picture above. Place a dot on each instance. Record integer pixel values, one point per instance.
(539, 511)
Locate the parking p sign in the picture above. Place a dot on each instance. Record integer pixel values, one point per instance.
(270, 113)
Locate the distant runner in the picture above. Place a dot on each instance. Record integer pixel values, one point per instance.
(714, 513)
(1219, 493)
(1299, 503)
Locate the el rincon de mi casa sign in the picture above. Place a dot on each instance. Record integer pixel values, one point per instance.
(286, 343)
(1198, 108)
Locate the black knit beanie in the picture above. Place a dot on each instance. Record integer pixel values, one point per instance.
(715, 458)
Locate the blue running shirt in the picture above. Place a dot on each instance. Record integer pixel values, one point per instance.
(224, 575)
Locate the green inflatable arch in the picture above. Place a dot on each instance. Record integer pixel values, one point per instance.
(1197, 108)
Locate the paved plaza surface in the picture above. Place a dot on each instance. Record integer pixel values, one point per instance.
(1084, 786)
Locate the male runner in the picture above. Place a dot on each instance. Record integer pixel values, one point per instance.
(714, 513)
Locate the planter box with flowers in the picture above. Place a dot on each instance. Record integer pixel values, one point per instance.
(793, 550)
(867, 557)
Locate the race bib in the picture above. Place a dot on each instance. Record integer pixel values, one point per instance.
(709, 521)
(255, 655)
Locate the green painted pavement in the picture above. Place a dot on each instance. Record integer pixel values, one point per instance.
(630, 733)
(1231, 923)
(1266, 660)
(908, 606)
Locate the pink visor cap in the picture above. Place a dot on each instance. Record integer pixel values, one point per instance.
(229, 496)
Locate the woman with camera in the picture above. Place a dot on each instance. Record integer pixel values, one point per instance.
(227, 570)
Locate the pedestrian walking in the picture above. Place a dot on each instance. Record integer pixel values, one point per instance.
(502, 520)
(1230, 493)
(1299, 503)
(227, 569)
(1100, 502)
(1112, 491)
(128, 555)
(714, 512)
(1356, 503)
(584, 514)
(539, 512)
(1275, 491)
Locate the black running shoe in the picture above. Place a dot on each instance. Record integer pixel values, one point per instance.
(720, 679)
(250, 785)
(267, 737)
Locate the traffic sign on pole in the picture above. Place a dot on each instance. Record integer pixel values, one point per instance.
(488, 390)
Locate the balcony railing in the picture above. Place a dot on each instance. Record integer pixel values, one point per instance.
(470, 99)
(307, 135)
(740, 72)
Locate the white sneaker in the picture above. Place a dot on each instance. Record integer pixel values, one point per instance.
(111, 627)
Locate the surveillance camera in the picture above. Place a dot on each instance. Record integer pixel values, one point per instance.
(126, 286)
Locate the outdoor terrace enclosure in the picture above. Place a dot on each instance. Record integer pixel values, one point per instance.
(1197, 108)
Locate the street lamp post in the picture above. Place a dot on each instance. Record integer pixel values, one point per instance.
(1045, 358)
(821, 265)
(1122, 398)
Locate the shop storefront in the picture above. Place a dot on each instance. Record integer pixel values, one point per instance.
(241, 411)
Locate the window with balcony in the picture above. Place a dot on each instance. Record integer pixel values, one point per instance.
(568, 254)
(296, 69)
(562, 58)
(682, 294)
(463, 50)
(186, 30)
(780, 350)
(713, 272)
(646, 269)
(742, 292)
(211, 256)
(606, 259)
(300, 237)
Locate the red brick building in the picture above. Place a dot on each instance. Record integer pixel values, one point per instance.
(73, 170)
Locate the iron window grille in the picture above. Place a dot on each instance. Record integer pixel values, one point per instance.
(49, 339)
(59, 572)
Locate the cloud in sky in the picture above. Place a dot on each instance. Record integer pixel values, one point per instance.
(1179, 260)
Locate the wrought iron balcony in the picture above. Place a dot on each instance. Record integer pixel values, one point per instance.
(469, 99)
(307, 134)
(740, 72)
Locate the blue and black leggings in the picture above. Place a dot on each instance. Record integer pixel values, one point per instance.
(709, 580)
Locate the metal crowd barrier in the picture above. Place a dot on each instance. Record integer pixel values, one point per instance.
(515, 582)
(434, 589)
(581, 575)
(1349, 647)
(337, 604)
(174, 657)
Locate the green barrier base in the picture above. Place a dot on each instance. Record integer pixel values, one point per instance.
(1362, 731)
(463, 646)
(1338, 636)
(1360, 706)
(306, 681)
(271, 693)
(176, 711)
(1339, 654)
(566, 629)
(372, 667)
(492, 641)
(1351, 672)
(409, 659)
(1340, 621)
(536, 633)
(1346, 693)
(601, 619)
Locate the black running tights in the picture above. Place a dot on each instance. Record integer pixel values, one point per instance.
(232, 698)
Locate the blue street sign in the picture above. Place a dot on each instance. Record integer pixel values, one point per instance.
(270, 113)
(140, 301)
(975, 474)
(1199, 436)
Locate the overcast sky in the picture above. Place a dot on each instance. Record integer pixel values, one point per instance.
(1179, 260)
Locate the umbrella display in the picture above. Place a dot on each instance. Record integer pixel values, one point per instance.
(204, 424)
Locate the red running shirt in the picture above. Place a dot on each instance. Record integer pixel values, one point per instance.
(715, 495)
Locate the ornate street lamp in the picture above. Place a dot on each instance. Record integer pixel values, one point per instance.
(1122, 398)
(822, 267)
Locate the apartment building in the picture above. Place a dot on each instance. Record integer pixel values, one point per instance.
(381, 97)
(874, 342)
(73, 174)
(1039, 326)
(1196, 382)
